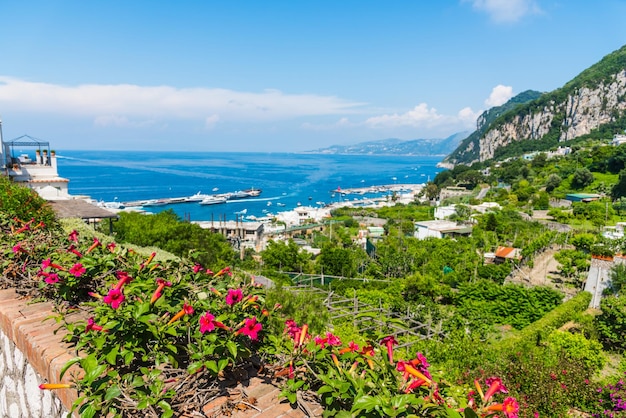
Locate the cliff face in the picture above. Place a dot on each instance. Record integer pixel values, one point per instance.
(596, 98)
(582, 111)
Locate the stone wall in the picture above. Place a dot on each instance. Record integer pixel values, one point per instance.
(30, 354)
(20, 396)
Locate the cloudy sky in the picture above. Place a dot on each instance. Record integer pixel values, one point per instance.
(282, 75)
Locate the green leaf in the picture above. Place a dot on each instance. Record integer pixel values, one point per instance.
(112, 392)
(137, 381)
(222, 363)
(232, 348)
(88, 412)
(67, 365)
(468, 412)
(111, 356)
(167, 409)
(324, 389)
(194, 367)
(291, 397)
(142, 404)
(366, 403)
(94, 373)
(211, 365)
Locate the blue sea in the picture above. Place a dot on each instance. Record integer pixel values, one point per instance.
(285, 178)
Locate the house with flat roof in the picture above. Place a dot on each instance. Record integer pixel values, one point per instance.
(440, 229)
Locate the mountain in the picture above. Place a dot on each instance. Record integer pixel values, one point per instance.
(393, 146)
(591, 105)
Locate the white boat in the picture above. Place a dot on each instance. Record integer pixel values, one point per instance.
(280, 204)
(213, 200)
(155, 202)
(269, 203)
(197, 197)
(242, 212)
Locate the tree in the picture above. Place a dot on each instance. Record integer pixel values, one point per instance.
(618, 280)
(582, 178)
(619, 189)
(553, 182)
(611, 324)
(281, 256)
(431, 191)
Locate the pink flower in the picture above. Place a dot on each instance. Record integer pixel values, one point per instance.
(333, 339)
(115, 297)
(111, 246)
(17, 248)
(52, 278)
(510, 407)
(91, 325)
(351, 348)
(186, 310)
(206, 323)
(320, 342)
(73, 236)
(78, 270)
(161, 283)
(389, 341)
(197, 268)
(74, 251)
(46, 263)
(233, 296)
(495, 386)
(122, 278)
(251, 328)
(96, 244)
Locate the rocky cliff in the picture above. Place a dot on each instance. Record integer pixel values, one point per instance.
(593, 101)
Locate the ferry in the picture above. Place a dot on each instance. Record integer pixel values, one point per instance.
(213, 200)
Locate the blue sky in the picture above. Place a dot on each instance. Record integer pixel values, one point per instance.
(282, 75)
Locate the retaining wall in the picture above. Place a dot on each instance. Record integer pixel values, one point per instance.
(31, 354)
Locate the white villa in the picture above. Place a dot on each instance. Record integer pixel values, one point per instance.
(30, 161)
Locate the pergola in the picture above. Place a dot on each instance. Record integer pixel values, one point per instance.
(8, 148)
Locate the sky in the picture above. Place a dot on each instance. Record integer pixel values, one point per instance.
(282, 75)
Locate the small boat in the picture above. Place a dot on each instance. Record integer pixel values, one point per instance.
(242, 212)
(253, 192)
(239, 194)
(215, 189)
(269, 203)
(213, 200)
(280, 204)
(155, 202)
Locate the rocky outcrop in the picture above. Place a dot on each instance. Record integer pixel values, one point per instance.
(583, 110)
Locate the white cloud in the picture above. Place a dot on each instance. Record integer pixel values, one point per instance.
(119, 104)
(499, 95)
(468, 116)
(420, 116)
(506, 11)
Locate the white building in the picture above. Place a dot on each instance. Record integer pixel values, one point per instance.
(444, 212)
(618, 139)
(30, 162)
(439, 229)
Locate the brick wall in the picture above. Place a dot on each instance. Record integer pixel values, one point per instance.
(31, 354)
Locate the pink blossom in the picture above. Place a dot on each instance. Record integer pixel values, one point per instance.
(115, 297)
(233, 296)
(73, 236)
(197, 268)
(78, 270)
(46, 263)
(91, 325)
(206, 323)
(251, 328)
(52, 278)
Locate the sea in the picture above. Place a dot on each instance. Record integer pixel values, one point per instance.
(287, 180)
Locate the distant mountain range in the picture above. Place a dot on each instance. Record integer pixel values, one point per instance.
(394, 146)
